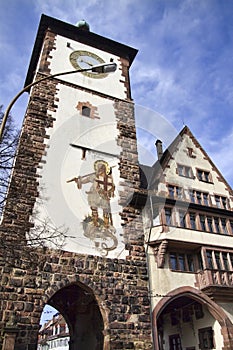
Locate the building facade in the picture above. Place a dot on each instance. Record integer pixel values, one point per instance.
(189, 232)
(54, 334)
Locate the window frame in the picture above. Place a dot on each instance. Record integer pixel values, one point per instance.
(199, 197)
(221, 202)
(170, 223)
(204, 175)
(217, 260)
(175, 191)
(206, 334)
(180, 261)
(184, 171)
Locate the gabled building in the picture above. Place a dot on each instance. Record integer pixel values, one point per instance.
(54, 334)
(188, 226)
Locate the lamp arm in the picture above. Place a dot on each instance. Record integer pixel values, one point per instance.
(102, 67)
(4, 119)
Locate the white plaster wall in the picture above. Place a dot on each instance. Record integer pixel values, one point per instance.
(112, 85)
(163, 280)
(61, 203)
(188, 235)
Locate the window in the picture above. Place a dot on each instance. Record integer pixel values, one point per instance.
(62, 328)
(218, 260)
(210, 223)
(192, 196)
(175, 342)
(181, 262)
(175, 191)
(231, 260)
(200, 262)
(86, 111)
(184, 170)
(224, 202)
(192, 217)
(196, 221)
(198, 311)
(202, 222)
(217, 226)
(179, 192)
(217, 201)
(231, 226)
(203, 175)
(173, 261)
(199, 197)
(190, 261)
(171, 191)
(205, 198)
(209, 259)
(225, 261)
(224, 226)
(182, 220)
(221, 202)
(168, 216)
(206, 339)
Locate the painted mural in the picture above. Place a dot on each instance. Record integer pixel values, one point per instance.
(98, 225)
(80, 183)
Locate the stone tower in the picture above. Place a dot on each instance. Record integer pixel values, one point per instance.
(70, 236)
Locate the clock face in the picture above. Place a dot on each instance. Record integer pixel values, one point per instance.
(87, 59)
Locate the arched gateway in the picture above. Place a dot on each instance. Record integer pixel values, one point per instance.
(184, 311)
(81, 311)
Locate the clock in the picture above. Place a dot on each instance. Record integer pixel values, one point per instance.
(86, 59)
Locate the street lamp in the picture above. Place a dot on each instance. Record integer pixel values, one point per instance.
(99, 69)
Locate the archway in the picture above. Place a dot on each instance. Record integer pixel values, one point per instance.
(188, 319)
(80, 309)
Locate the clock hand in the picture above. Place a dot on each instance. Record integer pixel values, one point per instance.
(89, 64)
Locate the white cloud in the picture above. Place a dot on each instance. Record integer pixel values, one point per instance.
(184, 68)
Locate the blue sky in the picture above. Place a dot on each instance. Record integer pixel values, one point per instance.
(182, 75)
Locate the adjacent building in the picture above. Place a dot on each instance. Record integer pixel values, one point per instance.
(54, 334)
(188, 226)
